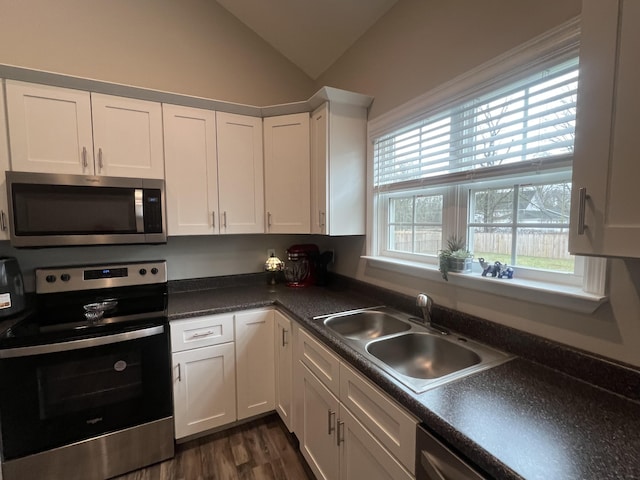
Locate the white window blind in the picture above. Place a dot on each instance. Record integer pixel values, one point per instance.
(522, 126)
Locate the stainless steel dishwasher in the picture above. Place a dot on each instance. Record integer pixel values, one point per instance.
(435, 461)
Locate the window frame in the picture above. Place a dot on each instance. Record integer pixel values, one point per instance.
(543, 50)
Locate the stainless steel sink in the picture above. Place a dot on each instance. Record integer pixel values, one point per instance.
(366, 325)
(416, 355)
(423, 355)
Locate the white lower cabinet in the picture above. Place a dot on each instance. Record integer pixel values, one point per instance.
(362, 456)
(204, 388)
(255, 364)
(233, 366)
(204, 374)
(223, 369)
(283, 350)
(375, 440)
(318, 439)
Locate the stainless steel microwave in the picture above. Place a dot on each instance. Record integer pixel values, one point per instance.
(48, 210)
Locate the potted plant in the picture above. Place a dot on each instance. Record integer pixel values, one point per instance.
(455, 258)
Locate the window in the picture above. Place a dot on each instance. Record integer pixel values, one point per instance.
(487, 157)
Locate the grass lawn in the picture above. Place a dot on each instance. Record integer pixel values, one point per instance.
(556, 264)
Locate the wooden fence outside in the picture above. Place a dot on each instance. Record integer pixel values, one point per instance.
(547, 245)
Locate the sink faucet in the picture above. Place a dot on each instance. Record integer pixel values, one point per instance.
(425, 303)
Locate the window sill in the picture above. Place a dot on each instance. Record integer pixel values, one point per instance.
(554, 295)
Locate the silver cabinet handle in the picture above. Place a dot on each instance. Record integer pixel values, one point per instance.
(213, 219)
(340, 433)
(331, 417)
(179, 373)
(205, 334)
(3, 221)
(284, 337)
(100, 163)
(321, 218)
(225, 219)
(582, 202)
(269, 220)
(85, 162)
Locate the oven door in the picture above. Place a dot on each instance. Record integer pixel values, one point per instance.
(54, 395)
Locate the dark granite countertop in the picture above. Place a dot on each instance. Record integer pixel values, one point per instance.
(518, 420)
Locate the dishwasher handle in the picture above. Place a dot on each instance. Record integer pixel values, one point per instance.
(435, 461)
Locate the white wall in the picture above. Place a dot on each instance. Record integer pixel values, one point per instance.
(193, 47)
(417, 46)
(420, 44)
(187, 257)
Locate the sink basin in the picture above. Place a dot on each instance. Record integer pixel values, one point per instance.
(366, 325)
(423, 355)
(414, 354)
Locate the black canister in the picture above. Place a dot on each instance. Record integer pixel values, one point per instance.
(11, 287)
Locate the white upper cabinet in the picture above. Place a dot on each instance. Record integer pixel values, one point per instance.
(605, 220)
(49, 129)
(60, 130)
(191, 170)
(127, 137)
(240, 173)
(4, 166)
(287, 173)
(338, 169)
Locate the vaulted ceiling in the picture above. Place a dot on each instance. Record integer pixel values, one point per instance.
(311, 33)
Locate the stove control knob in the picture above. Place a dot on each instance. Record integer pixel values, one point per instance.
(50, 278)
(142, 271)
(154, 271)
(65, 277)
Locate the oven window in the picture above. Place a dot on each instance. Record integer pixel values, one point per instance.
(81, 385)
(73, 210)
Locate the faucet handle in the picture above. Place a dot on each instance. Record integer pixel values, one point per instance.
(423, 301)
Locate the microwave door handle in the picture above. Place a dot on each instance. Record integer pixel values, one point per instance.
(139, 206)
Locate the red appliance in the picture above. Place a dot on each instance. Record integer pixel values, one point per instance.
(300, 268)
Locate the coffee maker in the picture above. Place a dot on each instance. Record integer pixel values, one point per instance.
(300, 268)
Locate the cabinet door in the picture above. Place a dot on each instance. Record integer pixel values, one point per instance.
(49, 129)
(4, 166)
(127, 137)
(284, 369)
(362, 456)
(203, 389)
(191, 169)
(604, 218)
(338, 169)
(287, 173)
(255, 362)
(319, 166)
(392, 427)
(317, 435)
(240, 173)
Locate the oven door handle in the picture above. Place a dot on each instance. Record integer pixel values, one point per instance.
(83, 343)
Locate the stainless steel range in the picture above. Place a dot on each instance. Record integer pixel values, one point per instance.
(85, 379)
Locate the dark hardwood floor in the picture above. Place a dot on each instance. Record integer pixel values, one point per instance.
(260, 450)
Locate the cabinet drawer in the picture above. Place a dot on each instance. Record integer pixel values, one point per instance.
(387, 421)
(201, 331)
(324, 364)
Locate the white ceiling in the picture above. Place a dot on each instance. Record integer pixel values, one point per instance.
(311, 33)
